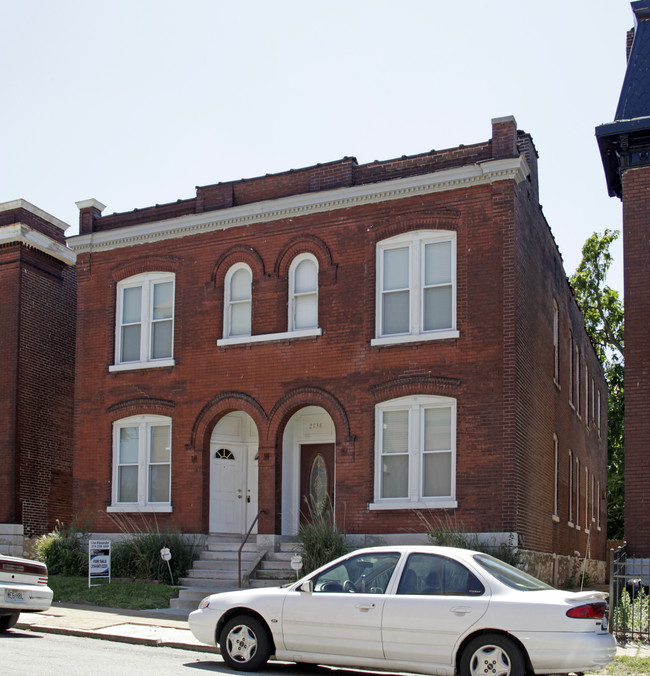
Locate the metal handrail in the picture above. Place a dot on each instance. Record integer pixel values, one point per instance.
(262, 511)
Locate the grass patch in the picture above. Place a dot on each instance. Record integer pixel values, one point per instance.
(117, 594)
(626, 665)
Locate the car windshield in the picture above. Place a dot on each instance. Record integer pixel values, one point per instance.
(509, 575)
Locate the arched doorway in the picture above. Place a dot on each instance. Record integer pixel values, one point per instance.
(308, 466)
(233, 474)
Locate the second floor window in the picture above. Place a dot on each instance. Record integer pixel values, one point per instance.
(145, 318)
(238, 301)
(303, 293)
(416, 286)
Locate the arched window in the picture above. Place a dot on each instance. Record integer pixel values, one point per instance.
(238, 301)
(303, 293)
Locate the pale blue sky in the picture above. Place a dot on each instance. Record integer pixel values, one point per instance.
(136, 102)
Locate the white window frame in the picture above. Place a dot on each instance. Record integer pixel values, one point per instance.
(146, 281)
(416, 406)
(416, 243)
(229, 303)
(294, 295)
(144, 423)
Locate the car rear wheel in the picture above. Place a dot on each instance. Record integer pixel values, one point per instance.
(492, 654)
(245, 644)
(8, 621)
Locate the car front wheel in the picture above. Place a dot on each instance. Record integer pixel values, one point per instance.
(8, 621)
(492, 654)
(245, 644)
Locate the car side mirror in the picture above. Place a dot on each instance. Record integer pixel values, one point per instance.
(307, 586)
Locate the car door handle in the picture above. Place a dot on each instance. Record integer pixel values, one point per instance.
(365, 606)
(460, 610)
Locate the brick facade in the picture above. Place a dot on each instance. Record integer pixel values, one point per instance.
(497, 365)
(37, 335)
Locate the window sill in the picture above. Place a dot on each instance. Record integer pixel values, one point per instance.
(443, 503)
(414, 338)
(269, 337)
(159, 508)
(139, 365)
(555, 518)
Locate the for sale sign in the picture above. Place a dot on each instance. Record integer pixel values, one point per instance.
(99, 560)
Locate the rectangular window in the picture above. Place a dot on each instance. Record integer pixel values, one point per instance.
(142, 464)
(416, 287)
(571, 488)
(145, 321)
(556, 483)
(415, 455)
(571, 368)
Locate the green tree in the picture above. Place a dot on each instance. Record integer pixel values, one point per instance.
(603, 311)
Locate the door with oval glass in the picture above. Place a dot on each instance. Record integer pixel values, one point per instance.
(316, 479)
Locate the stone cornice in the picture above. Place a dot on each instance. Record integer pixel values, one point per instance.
(28, 206)
(509, 169)
(23, 234)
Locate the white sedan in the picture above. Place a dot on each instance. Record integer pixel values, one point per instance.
(23, 589)
(430, 610)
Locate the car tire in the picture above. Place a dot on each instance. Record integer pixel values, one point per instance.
(245, 643)
(8, 621)
(492, 654)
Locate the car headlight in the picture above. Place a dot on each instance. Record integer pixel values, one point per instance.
(204, 603)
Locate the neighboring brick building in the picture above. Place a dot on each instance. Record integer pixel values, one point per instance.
(398, 336)
(37, 320)
(625, 150)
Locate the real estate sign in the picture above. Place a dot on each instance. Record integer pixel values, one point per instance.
(99, 560)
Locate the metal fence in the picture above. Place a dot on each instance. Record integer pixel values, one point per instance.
(629, 602)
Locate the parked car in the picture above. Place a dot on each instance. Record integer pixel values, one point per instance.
(433, 610)
(23, 589)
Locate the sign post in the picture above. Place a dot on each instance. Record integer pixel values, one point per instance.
(99, 561)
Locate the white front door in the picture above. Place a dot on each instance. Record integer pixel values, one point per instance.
(233, 475)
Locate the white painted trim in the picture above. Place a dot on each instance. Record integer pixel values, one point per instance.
(269, 337)
(414, 338)
(137, 365)
(406, 504)
(24, 234)
(509, 169)
(161, 508)
(28, 206)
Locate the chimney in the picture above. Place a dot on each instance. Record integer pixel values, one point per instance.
(504, 137)
(89, 210)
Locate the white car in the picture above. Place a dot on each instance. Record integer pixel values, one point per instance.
(23, 589)
(430, 610)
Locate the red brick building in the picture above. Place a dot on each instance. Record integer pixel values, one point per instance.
(625, 151)
(397, 337)
(37, 333)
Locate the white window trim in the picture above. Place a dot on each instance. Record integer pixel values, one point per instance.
(144, 422)
(556, 479)
(146, 281)
(228, 303)
(292, 292)
(269, 337)
(416, 242)
(415, 405)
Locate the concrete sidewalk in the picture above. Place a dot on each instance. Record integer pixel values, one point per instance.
(166, 627)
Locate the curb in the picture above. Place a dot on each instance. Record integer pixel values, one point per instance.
(133, 640)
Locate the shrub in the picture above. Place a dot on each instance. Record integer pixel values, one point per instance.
(448, 532)
(62, 550)
(137, 555)
(320, 540)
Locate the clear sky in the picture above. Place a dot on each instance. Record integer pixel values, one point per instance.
(136, 102)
